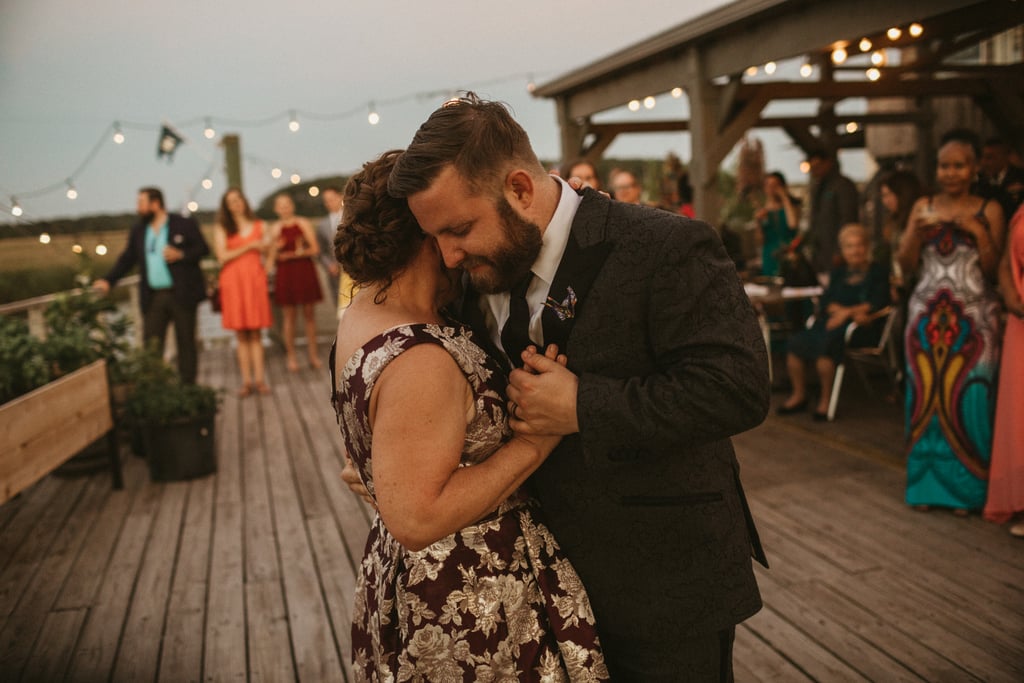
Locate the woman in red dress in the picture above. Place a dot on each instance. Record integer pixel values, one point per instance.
(294, 250)
(240, 244)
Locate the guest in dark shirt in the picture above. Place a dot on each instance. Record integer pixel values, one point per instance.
(857, 289)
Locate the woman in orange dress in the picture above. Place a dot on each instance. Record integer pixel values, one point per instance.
(1005, 502)
(240, 244)
(294, 249)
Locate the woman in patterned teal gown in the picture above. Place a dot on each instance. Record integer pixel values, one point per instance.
(953, 242)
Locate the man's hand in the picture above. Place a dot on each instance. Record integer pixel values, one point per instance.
(577, 184)
(173, 254)
(101, 286)
(544, 393)
(350, 475)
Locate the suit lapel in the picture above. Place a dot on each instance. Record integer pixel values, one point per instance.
(585, 253)
(467, 310)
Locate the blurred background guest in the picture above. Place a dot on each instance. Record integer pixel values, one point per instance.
(952, 244)
(856, 289)
(625, 187)
(239, 242)
(898, 191)
(293, 250)
(998, 178)
(834, 200)
(325, 231)
(584, 170)
(778, 219)
(1006, 476)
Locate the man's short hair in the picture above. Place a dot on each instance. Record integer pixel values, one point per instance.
(155, 195)
(478, 137)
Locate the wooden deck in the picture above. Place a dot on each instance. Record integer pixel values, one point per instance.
(249, 574)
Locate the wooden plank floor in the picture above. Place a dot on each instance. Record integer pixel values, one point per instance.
(249, 574)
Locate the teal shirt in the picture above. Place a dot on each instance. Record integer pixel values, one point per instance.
(158, 274)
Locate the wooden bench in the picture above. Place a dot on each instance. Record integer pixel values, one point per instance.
(44, 428)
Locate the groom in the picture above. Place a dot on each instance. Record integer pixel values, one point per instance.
(666, 362)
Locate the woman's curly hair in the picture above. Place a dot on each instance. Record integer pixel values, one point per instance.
(378, 236)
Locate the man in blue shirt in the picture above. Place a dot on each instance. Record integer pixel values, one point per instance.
(167, 249)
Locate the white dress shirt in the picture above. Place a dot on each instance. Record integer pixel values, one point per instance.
(556, 236)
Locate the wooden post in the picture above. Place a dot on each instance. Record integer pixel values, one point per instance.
(233, 160)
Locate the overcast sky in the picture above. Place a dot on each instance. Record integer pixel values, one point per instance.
(69, 70)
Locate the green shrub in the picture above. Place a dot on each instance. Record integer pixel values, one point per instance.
(23, 367)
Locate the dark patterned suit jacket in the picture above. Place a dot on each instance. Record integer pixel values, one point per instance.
(646, 499)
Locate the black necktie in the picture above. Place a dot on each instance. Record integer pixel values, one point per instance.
(515, 335)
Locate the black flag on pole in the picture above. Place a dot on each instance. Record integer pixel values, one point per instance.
(169, 141)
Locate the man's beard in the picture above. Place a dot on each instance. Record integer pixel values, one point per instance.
(512, 261)
(147, 216)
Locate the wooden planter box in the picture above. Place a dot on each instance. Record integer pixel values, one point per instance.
(45, 427)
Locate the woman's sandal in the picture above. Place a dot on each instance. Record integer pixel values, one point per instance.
(246, 390)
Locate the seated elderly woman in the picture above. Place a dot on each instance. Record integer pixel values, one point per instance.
(856, 290)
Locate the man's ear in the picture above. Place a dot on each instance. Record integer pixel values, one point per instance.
(519, 189)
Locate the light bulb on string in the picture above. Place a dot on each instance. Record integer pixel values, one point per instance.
(373, 117)
(894, 33)
(101, 250)
(851, 127)
(770, 67)
(915, 30)
(293, 123)
(71, 193)
(44, 238)
(296, 179)
(634, 105)
(77, 248)
(118, 134)
(806, 70)
(208, 131)
(873, 74)
(193, 206)
(275, 172)
(677, 92)
(650, 102)
(207, 183)
(314, 191)
(865, 44)
(15, 208)
(878, 57)
(751, 71)
(839, 55)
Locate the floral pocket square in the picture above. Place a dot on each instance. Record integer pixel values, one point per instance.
(567, 308)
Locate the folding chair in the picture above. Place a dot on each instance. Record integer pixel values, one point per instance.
(883, 355)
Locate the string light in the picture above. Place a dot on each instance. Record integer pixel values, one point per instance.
(314, 191)
(44, 238)
(71, 193)
(770, 67)
(293, 123)
(677, 93)
(751, 71)
(805, 167)
(15, 208)
(118, 135)
(373, 117)
(915, 30)
(208, 131)
(634, 105)
(77, 248)
(806, 70)
(865, 44)
(193, 206)
(101, 250)
(649, 102)
(894, 33)
(207, 183)
(878, 57)
(873, 74)
(296, 179)
(839, 55)
(851, 127)
(275, 173)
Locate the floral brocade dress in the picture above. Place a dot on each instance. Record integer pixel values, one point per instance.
(495, 601)
(952, 356)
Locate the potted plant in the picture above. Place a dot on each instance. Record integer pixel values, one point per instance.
(175, 420)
